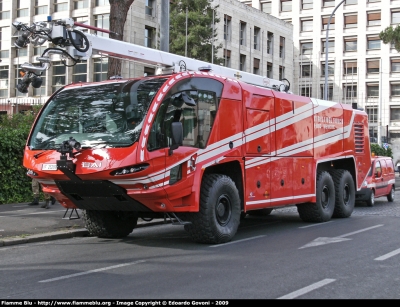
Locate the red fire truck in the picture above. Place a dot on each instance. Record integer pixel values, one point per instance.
(203, 145)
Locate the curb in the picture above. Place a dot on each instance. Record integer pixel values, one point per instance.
(67, 234)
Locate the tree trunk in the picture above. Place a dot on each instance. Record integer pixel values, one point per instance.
(118, 12)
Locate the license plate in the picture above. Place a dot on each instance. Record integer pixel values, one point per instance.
(49, 167)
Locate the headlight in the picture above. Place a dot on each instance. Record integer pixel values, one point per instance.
(130, 169)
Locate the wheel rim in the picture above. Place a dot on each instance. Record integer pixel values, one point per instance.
(325, 195)
(372, 197)
(392, 193)
(346, 194)
(223, 210)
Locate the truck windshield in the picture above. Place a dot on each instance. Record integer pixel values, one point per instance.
(101, 115)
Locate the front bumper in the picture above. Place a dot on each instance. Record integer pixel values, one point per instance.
(363, 194)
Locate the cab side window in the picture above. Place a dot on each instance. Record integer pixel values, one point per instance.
(378, 169)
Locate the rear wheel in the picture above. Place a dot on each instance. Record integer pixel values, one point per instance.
(371, 201)
(345, 193)
(109, 224)
(322, 210)
(390, 196)
(219, 215)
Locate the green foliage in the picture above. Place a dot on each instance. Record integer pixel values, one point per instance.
(391, 35)
(200, 35)
(380, 151)
(15, 184)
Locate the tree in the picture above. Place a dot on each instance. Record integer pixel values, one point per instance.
(391, 35)
(118, 12)
(200, 35)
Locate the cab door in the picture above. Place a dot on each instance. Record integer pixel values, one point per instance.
(378, 178)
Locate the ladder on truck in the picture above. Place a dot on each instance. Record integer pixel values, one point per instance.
(74, 46)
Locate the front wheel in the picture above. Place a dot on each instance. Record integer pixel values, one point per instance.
(390, 196)
(371, 200)
(109, 224)
(324, 206)
(219, 214)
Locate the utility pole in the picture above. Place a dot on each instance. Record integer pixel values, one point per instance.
(326, 51)
(164, 29)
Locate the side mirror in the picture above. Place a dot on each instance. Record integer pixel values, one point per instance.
(177, 136)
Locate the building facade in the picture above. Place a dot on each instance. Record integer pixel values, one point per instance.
(361, 69)
(252, 41)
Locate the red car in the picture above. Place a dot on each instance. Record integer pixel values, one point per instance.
(379, 182)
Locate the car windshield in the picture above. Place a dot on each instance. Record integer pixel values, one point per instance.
(101, 115)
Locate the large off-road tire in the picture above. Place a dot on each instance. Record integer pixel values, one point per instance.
(371, 201)
(219, 214)
(260, 212)
(109, 224)
(390, 196)
(345, 193)
(322, 210)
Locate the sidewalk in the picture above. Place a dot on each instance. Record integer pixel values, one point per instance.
(21, 223)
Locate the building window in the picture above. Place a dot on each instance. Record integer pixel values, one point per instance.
(372, 90)
(149, 35)
(307, 25)
(374, 19)
(257, 42)
(242, 34)
(22, 8)
(373, 1)
(372, 114)
(347, 2)
(38, 50)
(242, 62)
(227, 27)
(81, 4)
(227, 58)
(281, 72)
(5, 10)
(256, 66)
(270, 40)
(350, 44)
(394, 113)
(149, 8)
(395, 65)
(269, 70)
(396, 17)
(373, 43)
(41, 7)
(5, 36)
(350, 67)
(306, 91)
(328, 3)
(394, 89)
(59, 75)
(307, 4)
(331, 69)
(350, 21)
(372, 66)
(102, 2)
(325, 21)
(4, 81)
(100, 68)
(286, 5)
(266, 7)
(306, 70)
(350, 91)
(331, 46)
(19, 52)
(103, 22)
(330, 91)
(282, 47)
(60, 5)
(79, 72)
(306, 48)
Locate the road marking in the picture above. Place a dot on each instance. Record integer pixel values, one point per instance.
(391, 254)
(238, 241)
(32, 213)
(93, 271)
(326, 240)
(307, 289)
(317, 224)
